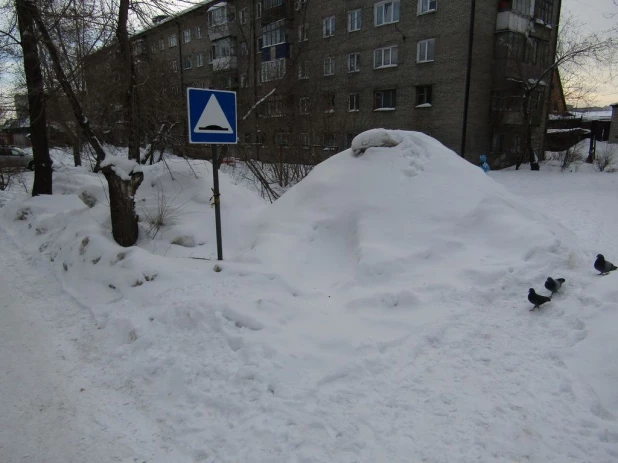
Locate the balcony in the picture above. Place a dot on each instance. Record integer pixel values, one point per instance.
(219, 31)
(226, 63)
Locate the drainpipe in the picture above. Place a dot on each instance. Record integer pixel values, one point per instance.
(464, 127)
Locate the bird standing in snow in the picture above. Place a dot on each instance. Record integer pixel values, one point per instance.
(553, 285)
(537, 299)
(603, 266)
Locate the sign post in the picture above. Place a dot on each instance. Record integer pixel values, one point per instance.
(212, 121)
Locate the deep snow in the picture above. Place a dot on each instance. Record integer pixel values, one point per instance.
(376, 312)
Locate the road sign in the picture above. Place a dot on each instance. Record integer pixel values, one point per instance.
(212, 116)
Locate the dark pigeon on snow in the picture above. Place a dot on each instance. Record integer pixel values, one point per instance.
(553, 285)
(537, 299)
(603, 266)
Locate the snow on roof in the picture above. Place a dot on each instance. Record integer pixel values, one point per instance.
(594, 115)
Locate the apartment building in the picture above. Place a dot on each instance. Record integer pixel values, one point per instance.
(311, 74)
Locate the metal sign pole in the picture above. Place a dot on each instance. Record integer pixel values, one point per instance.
(216, 195)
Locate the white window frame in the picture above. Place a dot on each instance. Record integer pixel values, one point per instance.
(354, 62)
(258, 10)
(423, 49)
(187, 62)
(353, 102)
(328, 26)
(355, 20)
(161, 44)
(199, 60)
(172, 41)
(273, 33)
(174, 64)
(329, 66)
(186, 36)
(303, 140)
(272, 70)
(427, 6)
(382, 7)
(198, 32)
(153, 47)
(385, 55)
(244, 81)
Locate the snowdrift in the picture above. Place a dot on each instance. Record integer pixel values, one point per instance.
(404, 209)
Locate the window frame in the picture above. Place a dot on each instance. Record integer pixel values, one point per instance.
(381, 51)
(186, 36)
(356, 61)
(421, 90)
(172, 41)
(382, 6)
(353, 98)
(331, 65)
(382, 94)
(424, 6)
(273, 33)
(199, 60)
(329, 25)
(426, 43)
(303, 105)
(359, 19)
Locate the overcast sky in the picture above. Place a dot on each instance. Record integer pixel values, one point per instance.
(595, 15)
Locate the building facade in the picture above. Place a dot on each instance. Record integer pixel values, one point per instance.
(311, 74)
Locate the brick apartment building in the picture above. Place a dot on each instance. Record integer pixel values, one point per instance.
(323, 71)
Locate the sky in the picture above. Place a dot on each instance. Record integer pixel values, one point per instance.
(595, 17)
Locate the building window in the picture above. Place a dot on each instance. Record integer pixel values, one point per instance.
(329, 102)
(497, 143)
(328, 26)
(425, 51)
(171, 40)
(153, 47)
(545, 11)
(199, 60)
(198, 32)
(386, 12)
(223, 49)
(384, 100)
(303, 70)
(385, 57)
(303, 140)
(244, 82)
(187, 62)
(354, 62)
(258, 10)
(273, 33)
(354, 20)
(268, 4)
(303, 105)
(272, 107)
(161, 44)
(243, 15)
(217, 16)
(329, 66)
(423, 96)
(281, 138)
(244, 51)
(330, 143)
(272, 70)
(303, 32)
(354, 102)
(174, 65)
(426, 6)
(210, 57)
(186, 35)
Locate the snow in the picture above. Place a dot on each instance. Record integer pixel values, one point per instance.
(376, 312)
(576, 129)
(122, 167)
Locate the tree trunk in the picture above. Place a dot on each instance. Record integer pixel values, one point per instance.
(128, 79)
(122, 206)
(529, 151)
(36, 100)
(77, 150)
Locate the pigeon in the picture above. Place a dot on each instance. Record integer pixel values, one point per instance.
(603, 266)
(537, 299)
(553, 285)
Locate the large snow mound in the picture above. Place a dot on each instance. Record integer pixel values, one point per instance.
(401, 206)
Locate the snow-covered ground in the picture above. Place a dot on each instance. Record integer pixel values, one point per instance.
(376, 312)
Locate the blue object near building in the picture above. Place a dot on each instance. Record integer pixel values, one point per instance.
(484, 163)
